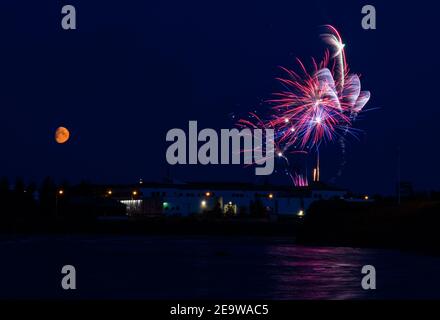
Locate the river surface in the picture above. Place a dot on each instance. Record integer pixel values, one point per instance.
(175, 267)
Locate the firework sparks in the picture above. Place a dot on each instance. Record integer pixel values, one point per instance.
(300, 181)
(334, 40)
(311, 107)
(317, 105)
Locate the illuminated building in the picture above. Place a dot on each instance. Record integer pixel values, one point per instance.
(185, 199)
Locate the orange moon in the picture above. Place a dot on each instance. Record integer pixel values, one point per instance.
(62, 135)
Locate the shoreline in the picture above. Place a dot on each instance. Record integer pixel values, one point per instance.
(295, 230)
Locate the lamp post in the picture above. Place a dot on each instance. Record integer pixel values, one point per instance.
(58, 194)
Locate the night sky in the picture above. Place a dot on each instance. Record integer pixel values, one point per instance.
(135, 69)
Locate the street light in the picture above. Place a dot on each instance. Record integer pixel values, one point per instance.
(60, 193)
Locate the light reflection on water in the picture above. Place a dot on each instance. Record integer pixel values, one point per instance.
(316, 273)
(152, 267)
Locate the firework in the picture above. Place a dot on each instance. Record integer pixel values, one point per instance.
(334, 41)
(309, 111)
(300, 181)
(317, 105)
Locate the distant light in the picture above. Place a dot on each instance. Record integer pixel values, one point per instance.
(109, 192)
(208, 194)
(280, 154)
(165, 204)
(135, 193)
(230, 203)
(301, 213)
(271, 196)
(367, 198)
(203, 203)
(141, 181)
(61, 192)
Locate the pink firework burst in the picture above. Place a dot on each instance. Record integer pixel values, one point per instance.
(317, 105)
(320, 105)
(309, 110)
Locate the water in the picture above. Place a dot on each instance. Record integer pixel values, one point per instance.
(153, 267)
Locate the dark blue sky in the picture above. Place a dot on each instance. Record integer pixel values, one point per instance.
(135, 69)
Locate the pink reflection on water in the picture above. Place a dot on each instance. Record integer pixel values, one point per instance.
(316, 273)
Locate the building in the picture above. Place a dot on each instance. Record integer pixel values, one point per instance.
(184, 199)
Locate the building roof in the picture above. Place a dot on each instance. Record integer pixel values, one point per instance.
(235, 186)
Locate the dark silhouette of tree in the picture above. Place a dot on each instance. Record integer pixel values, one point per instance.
(48, 198)
(18, 199)
(5, 199)
(32, 189)
(19, 186)
(4, 184)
